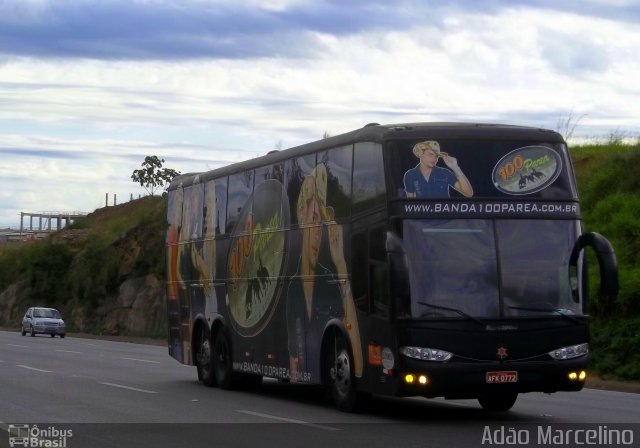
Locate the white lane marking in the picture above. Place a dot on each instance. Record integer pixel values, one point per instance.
(69, 351)
(128, 388)
(289, 420)
(142, 360)
(33, 368)
(16, 345)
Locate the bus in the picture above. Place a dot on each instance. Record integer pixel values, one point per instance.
(428, 259)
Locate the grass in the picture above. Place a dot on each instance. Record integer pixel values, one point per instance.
(609, 188)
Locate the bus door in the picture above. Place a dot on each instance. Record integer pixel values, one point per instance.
(370, 284)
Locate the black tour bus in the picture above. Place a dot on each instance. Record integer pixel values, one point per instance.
(430, 259)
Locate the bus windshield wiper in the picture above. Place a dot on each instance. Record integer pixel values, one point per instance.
(455, 310)
(546, 310)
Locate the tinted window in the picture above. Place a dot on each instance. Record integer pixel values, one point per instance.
(452, 263)
(240, 188)
(359, 270)
(296, 170)
(221, 205)
(493, 168)
(535, 256)
(338, 166)
(192, 212)
(210, 210)
(275, 171)
(368, 177)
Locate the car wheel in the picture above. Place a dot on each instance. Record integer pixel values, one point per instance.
(204, 362)
(22, 331)
(33, 332)
(62, 335)
(53, 335)
(222, 361)
(498, 403)
(341, 379)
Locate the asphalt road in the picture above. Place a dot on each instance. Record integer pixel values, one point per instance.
(124, 394)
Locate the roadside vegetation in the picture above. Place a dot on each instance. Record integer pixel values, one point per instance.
(609, 187)
(80, 269)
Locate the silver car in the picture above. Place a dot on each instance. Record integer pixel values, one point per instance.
(44, 321)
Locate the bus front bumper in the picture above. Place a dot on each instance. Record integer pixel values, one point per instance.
(470, 380)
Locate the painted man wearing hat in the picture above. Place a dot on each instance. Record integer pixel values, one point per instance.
(427, 180)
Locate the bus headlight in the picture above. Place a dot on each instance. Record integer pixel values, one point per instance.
(570, 352)
(426, 354)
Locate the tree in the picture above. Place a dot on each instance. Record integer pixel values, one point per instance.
(152, 176)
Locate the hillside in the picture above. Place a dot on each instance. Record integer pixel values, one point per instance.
(106, 273)
(610, 191)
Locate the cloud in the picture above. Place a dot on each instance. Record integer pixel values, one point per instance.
(126, 30)
(87, 89)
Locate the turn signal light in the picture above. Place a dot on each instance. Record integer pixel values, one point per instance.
(411, 378)
(573, 376)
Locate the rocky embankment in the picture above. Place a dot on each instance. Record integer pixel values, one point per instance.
(106, 277)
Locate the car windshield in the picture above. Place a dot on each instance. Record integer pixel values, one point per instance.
(489, 268)
(46, 312)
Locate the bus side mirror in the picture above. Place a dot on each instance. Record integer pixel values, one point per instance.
(606, 260)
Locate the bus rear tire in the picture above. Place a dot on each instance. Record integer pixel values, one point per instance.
(498, 402)
(223, 361)
(341, 379)
(204, 362)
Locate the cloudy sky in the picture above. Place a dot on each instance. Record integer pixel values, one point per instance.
(89, 87)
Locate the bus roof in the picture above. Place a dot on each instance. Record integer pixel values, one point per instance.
(374, 132)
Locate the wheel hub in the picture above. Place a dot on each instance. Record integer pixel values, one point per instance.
(205, 353)
(341, 373)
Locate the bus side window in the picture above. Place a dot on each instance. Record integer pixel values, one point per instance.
(240, 188)
(368, 177)
(337, 162)
(295, 171)
(359, 279)
(369, 272)
(221, 206)
(378, 272)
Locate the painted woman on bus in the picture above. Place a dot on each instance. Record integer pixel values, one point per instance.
(428, 180)
(313, 299)
(173, 242)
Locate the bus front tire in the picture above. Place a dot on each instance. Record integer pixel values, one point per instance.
(205, 361)
(498, 403)
(341, 377)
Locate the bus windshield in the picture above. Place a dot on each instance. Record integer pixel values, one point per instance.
(489, 268)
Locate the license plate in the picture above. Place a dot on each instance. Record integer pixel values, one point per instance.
(502, 377)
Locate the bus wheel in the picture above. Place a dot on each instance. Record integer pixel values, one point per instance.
(498, 403)
(341, 377)
(222, 360)
(205, 361)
